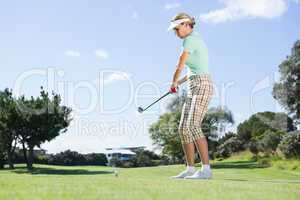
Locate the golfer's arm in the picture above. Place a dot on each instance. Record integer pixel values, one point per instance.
(184, 79)
(182, 59)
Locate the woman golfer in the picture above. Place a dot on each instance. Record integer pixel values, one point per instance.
(200, 91)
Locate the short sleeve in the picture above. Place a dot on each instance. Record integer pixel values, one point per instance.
(188, 44)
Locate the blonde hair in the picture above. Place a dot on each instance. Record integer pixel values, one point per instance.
(184, 16)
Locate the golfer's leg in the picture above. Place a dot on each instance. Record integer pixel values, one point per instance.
(186, 138)
(201, 96)
(202, 147)
(186, 141)
(200, 105)
(189, 150)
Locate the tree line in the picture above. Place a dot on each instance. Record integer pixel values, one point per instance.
(64, 158)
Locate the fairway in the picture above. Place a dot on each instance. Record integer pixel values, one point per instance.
(233, 179)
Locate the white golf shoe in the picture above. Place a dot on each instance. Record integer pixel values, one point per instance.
(184, 174)
(205, 174)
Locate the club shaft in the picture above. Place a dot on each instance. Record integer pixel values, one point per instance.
(157, 100)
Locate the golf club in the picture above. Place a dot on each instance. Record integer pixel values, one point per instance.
(140, 109)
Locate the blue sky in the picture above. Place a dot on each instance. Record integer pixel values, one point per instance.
(66, 45)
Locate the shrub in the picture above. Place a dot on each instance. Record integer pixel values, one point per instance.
(226, 137)
(231, 145)
(115, 162)
(223, 152)
(253, 147)
(264, 162)
(67, 158)
(234, 144)
(165, 160)
(95, 159)
(19, 156)
(74, 158)
(270, 141)
(2, 160)
(143, 160)
(290, 145)
(128, 163)
(41, 159)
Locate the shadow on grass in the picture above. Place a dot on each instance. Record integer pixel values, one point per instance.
(52, 171)
(248, 164)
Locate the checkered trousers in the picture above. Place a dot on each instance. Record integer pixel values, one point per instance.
(200, 92)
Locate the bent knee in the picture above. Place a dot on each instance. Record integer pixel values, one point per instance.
(194, 128)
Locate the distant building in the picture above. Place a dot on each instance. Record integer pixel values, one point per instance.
(122, 153)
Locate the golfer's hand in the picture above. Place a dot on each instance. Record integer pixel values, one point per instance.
(174, 88)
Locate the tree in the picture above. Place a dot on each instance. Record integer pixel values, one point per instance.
(226, 137)
(253, 147)
(231, 145)
(2, 149)
(290, 145)
(7, 125)
(287, 90)
(164, 133)
(42, 119)
(2, 159)
(270, 141)
(222, 152)
(255, 127)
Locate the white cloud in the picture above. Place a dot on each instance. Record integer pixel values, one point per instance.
(113, 77)
(239, 9)
(101, 54)
(170, 6)
(117, 76)
(135, 15)
(72, 53)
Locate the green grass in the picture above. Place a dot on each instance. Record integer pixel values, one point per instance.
(291, 164)
(234, 178)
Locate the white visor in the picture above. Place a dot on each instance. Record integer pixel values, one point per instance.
(175, 23)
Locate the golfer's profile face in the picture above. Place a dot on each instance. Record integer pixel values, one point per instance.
(180, 30)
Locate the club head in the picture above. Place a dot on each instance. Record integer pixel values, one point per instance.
(140, 109)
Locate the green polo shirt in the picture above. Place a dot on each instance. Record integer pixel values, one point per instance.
(197, 61)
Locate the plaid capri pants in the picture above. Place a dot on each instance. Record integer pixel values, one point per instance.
(199, 94)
